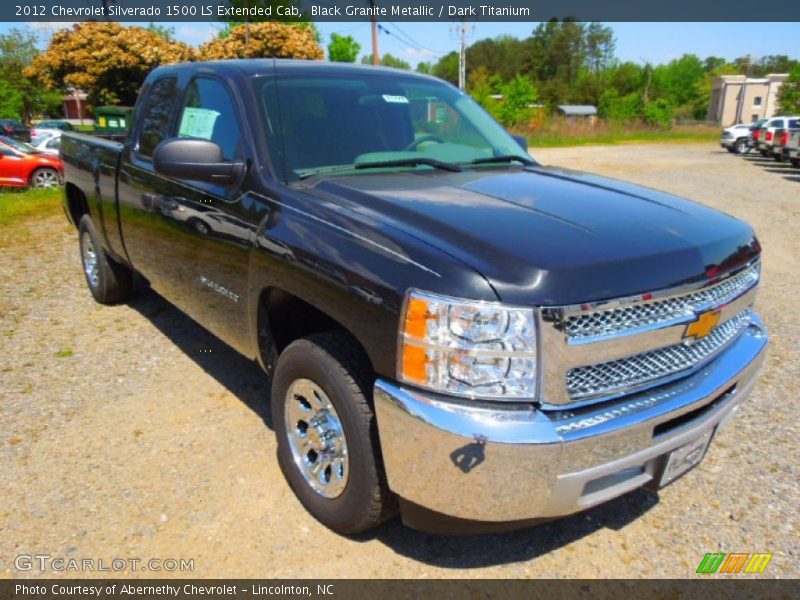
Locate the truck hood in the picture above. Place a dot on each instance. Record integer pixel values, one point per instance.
(550, 236)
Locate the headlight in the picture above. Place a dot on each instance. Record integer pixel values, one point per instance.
(467, 348)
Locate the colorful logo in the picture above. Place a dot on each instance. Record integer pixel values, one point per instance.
(737, 562)
(703, 325)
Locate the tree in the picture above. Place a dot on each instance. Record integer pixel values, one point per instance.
(267, 39)
(659, 113)
(518, 96)
(447, 68)
(501, 56)
(343, 48)
(20, 96)
(600, 46)
(387, 60)
(426, 68)
(479, 85)
(789, 93)
(616, 107)
(168, 33)
(106, 60)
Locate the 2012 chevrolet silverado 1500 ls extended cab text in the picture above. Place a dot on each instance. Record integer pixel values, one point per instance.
(450, 327)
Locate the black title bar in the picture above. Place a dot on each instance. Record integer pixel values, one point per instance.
(399, 10)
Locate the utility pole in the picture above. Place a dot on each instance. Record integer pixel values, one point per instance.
(246, 25)
(374, 24)
(462, 31)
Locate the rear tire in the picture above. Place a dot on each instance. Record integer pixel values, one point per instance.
(327, 435)
(108, 280)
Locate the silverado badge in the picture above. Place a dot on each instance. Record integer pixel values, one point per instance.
(701, 327)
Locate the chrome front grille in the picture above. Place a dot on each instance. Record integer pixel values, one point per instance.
(648, 367)
(646, 314)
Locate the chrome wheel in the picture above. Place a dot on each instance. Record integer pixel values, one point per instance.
(316, 438)
(45, 178)
(91, 265)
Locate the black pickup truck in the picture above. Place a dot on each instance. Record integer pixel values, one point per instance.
(450, 328)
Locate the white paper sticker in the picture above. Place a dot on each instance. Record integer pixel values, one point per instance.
(395, 99)
(198, 123)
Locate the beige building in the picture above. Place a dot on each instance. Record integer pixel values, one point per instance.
(740, 99)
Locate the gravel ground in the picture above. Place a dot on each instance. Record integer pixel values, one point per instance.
(131, 432)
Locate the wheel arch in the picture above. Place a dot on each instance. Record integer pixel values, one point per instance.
(77, 204)
(282, 317)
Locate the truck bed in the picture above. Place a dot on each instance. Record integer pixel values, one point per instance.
(90, 163)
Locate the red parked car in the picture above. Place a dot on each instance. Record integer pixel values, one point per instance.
(22, 165)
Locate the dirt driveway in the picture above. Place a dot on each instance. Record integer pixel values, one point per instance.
(131, 432)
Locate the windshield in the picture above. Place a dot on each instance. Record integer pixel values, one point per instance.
(340, 123)
(18, 146)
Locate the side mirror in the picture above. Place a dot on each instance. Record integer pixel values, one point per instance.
(523, 143)
(196, 160)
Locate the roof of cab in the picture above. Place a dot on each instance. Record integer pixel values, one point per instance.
(268, 66)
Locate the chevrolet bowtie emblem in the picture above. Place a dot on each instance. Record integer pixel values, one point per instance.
(703, 325)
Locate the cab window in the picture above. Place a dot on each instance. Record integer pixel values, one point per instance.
(209, 114)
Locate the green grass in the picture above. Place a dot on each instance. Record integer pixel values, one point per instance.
(558, 132)
(65, 353)
(17, 207)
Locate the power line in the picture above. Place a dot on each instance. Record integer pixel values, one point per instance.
(406, 38)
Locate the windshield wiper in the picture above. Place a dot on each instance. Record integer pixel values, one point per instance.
(410, 162)
(324, 170)
(505, 158)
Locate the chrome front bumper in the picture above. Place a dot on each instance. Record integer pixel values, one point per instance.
(490, 462)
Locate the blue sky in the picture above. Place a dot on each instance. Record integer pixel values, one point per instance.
(654, 42)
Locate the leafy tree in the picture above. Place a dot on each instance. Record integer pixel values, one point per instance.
(268, 39)
(343, 48)
(789, 93)
(426, 68)
(106, 60)
(11, 101)
(447, 68)
(479, 85)
(518, 96)
(20, 96)
(679, 82)
(168, 33)
(387, 60)
(775, 63)
(712, 63)
(600, 46)
(615, 107)
(626, 78)
(659, 113)
(501, 56)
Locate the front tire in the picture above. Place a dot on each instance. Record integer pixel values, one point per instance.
(109, 281)
(327, 435)
(45, 178)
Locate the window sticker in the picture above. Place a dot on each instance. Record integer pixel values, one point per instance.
(198, 122)
(395, 99)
